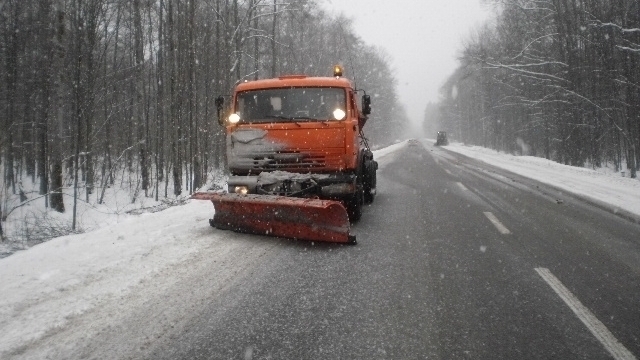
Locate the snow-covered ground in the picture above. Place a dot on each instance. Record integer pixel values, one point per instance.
(59, 293)
(602, 186)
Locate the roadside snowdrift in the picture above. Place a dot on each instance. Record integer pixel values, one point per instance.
(599, 185)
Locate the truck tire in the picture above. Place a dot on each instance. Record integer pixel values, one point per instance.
(370, 168)
(354, 206)
(367, 174)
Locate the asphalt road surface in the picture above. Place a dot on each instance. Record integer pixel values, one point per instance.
(454, 260)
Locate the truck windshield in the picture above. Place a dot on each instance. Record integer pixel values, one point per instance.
(291, 104)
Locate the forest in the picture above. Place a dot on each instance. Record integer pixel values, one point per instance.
(558, 79)
(104, 94)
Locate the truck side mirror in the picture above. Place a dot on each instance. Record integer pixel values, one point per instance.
(366, 104)
(219, 102)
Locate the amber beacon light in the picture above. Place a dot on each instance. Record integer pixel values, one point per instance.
(337, 71)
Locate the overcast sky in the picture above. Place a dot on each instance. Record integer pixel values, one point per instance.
(423, 37)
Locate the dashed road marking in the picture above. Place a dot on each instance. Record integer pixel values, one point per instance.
(494, 220)
(597, 328)
(464, 188)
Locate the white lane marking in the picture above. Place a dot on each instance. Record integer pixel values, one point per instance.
(464, 188)
(494, 220)
(597, 328)
(448, 172)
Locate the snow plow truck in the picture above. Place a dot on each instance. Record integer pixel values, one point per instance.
(300, 166)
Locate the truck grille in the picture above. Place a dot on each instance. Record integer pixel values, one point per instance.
(297, 161)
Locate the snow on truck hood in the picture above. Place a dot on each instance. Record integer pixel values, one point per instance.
(245, 136)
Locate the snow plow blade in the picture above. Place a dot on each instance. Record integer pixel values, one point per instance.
(281, 216)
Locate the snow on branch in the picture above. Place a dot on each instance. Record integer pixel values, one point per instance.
(539, 64)
(626, 48)
(532, 42)
(516, 68)
(618, 27)
(534, 5)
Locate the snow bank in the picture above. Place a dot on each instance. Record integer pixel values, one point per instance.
(47, 285)
(599, 185)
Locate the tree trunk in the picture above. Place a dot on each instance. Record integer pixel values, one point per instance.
(139, 106)
(1, 221)
(256, 43)
(44, 14)
(176, 132)
(56, 197)
(13, 29)
(274, 50)
(91, 38)
(160, 103)
(79, 90)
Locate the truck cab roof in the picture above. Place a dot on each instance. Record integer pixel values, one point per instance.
(294, 81)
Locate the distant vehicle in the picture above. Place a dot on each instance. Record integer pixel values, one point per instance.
(442, 138)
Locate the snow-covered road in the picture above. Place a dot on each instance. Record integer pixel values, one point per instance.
(71, 296)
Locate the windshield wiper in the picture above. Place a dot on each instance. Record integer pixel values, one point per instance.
(295, 118)
(290, 117)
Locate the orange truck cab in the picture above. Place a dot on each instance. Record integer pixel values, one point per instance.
(300, 136)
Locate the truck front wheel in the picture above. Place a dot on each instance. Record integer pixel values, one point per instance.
(354, 206)
(370, 168)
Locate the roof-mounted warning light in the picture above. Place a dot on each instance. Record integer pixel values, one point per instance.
(337, 71)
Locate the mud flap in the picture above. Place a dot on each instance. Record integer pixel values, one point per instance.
(296, 218)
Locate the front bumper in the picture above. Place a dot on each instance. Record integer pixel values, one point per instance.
(284, 183)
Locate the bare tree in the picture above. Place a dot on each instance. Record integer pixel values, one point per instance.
(56, 199)
(555, 77)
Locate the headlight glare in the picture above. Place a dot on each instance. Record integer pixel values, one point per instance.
(234, 118)
(339, 114)
(242, 190)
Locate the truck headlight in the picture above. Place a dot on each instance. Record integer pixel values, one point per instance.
(339, 114)
(242, 190)
(234, 118)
